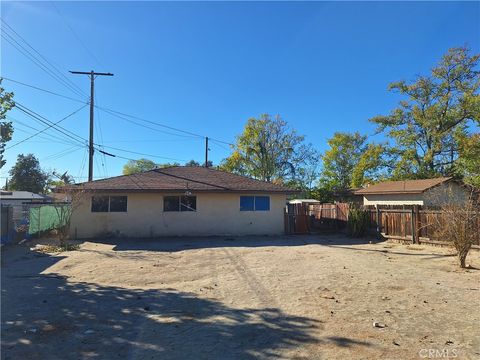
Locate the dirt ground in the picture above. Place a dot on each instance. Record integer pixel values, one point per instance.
(302, 297)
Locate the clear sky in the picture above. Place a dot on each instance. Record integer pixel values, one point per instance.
(206, 67)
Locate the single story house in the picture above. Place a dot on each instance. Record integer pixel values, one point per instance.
(425, 192)
(22, 197)
(20, 202)
(178, 201)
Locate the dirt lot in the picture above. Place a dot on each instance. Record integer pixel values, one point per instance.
(291, 298)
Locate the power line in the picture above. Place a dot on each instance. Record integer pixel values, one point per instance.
(92, 55)
(61, 74)
(114, 113)
(32, 58)
(50, 137)
(43, 120)
(127, 117)
(79, 138)
(45, 129)
(159, 124)
(44, 90)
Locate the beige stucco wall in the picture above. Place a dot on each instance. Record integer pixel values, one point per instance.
(445, 193)
(217, 214)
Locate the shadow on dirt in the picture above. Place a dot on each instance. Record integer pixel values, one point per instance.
(172, 244)
(44, 316)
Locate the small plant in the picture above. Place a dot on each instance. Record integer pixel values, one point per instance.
(57, 248)
(358, 220)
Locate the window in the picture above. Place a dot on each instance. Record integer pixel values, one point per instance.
(254, 203)
(99, 203)
(262, 203)
(247, 203)
(109, 204)
(188, 203)
(180, 203)
(171, 203)
(118, 203)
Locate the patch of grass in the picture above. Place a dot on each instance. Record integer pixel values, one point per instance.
(389, 246)
(415, 247)
(58, 248)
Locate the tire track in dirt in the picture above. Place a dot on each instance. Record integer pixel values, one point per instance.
(251, 280)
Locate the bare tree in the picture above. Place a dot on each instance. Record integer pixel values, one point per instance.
(73, 198)
(460, 224)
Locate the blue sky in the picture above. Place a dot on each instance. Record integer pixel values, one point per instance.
(206, 67)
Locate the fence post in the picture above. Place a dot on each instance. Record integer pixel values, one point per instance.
(412, 221)
(379, 226)
(418, 223)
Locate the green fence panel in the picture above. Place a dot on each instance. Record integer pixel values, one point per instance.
(45, 218)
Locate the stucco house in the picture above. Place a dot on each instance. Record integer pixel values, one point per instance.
(178, 201)
(425, 192)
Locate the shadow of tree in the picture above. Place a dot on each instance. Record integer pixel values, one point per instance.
(46, 316)
(173, 244)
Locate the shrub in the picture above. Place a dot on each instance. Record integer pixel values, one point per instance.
(358, 221)
(459, 224)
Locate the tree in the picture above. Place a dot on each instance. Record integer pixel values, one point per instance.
(269, 150)
(468, 164)
(140, 165)
(192, 163)
(427, 126)
(56, 179)
(350, 162)
(6, 128)
(27, 175)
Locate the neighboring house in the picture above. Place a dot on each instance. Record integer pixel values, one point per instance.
(178, 201)
(304, 201)
(426, 192)
(20, 201)
(22, 197)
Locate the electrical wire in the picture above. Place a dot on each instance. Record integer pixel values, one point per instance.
(127, 117)
(44, 90)
(45, 129)
(92, 55)
(78, 90)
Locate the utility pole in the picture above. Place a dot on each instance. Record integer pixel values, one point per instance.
(206, 152)
(92, 74)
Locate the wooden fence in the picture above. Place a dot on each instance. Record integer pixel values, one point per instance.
(413, 225)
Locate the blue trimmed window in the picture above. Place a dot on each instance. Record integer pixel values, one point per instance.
(254, 203)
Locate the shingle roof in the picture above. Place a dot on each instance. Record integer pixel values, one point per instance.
(403, 187)
(21, 195)
(183, 178)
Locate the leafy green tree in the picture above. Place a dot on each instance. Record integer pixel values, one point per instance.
(27, 175)
(192, 163)
(269, 150)
(350, 162)
(136, 166)
(435, 115)
(468, 164)
(6, 128)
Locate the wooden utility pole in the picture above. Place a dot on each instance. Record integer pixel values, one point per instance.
(92, 74)
(206, 152)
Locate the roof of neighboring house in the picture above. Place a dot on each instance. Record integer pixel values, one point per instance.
(403, 187)
(183, 178)
(304, 201)
(21, 195)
